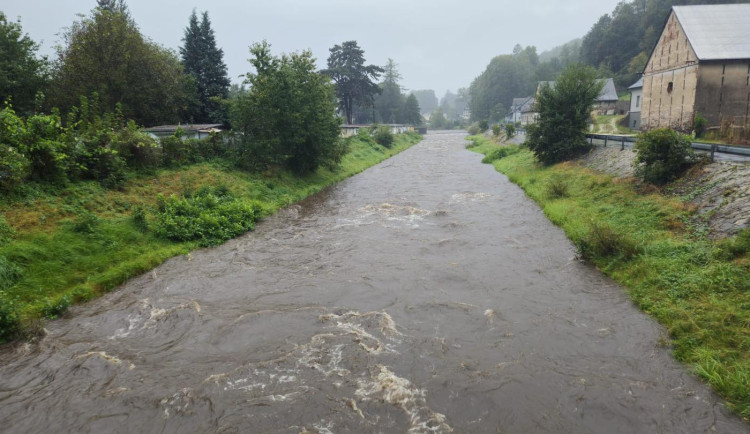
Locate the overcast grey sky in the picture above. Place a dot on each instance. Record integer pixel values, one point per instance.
(438, 44)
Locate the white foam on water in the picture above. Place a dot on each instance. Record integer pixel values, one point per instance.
(107, 358)
(178, 403)
(489, 314)
(320, 365)
(400, 392)
(324, 427)
(139, 321)
(469, 197)
(386, 212)
(353, 404)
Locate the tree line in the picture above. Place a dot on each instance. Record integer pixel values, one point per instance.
(105, 53)
(79, 116)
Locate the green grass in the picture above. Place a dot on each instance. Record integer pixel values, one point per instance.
(71, 244)
(697, 288)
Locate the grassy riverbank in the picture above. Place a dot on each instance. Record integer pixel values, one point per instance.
(71, 244)
(697, 288)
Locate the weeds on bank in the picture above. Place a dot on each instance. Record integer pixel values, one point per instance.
(697, 288)
(60, 246)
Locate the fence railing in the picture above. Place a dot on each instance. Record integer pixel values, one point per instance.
(628, 141)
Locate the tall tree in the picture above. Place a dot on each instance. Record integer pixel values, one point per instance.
(564, 110)
(427, 99)
(438, 120)
(412, 114)
(112, 5)
(288, 115)
(354, 80)
(390, 103)
(204, 62)
(107, 55)
(22, 74)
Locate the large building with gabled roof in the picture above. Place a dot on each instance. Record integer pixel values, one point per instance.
(701, 64)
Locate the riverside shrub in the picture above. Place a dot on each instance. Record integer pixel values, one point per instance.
(603, 241)
(662, 155)
(14, 167)
(210, 216)
(699, 125)
(499, 153)
(384, 136)
(474, 129)
(9, 320)
(138, 149)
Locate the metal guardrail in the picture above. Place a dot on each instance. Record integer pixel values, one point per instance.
(701, 146)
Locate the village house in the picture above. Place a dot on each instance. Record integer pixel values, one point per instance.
(700, 65)
(516, 107)
(606, 102)
(636, 99)
(529, 115)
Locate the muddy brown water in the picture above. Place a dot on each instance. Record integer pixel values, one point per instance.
(426, 294)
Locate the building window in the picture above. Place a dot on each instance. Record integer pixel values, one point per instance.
(670, 86)
(637, 101)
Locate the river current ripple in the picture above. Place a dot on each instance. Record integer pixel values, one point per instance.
(426, 294)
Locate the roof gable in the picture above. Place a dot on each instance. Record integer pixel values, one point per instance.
(637, 85)
(608, 93)
(717, 32)
(528, 105)
(519, 103)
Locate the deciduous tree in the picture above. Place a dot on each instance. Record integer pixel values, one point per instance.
(564, 111)
(427, 99)
(106, 54)
(22, 74)
(287, 117)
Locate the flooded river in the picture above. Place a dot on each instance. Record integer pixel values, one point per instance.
(426, 294)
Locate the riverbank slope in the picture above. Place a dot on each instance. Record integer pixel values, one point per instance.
(69, 245)
(697, 287)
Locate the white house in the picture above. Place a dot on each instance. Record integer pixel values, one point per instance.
(636, 100)
(517, 108)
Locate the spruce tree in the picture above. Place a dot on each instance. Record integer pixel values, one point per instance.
(204, 62)
(411, 111)
(390, 103)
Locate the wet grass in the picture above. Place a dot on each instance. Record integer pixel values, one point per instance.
(69, 244)
(697, 288)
